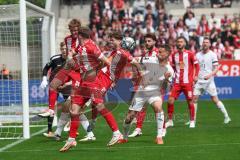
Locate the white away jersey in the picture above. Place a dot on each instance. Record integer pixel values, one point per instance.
(153, 73)
(206, 62)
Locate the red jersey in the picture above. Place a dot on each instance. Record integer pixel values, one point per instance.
(183, 64)
(120, 59)
(71, 43)
(152, 52)
(89, 55)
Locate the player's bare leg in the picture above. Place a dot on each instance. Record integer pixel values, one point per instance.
(140, 119)
(222, 108)
(127, 124)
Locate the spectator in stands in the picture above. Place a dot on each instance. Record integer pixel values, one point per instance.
(227, 35)
(139, 6)
(203, 26)
(236, 40)
(218, 48)
(213, 21)
(5, 74)
(214, 34)
(225, 21)
(191, 22)
(186, 14)
(235, 25)
(151, 17)
(228, 50)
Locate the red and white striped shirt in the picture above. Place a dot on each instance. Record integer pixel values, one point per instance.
(89, 56)
(120, 60)
(183, 64)
(71, 43)
(152, 52)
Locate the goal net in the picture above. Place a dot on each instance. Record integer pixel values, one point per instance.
(27, 40)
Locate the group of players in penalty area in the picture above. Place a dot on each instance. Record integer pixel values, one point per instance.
(83, 74)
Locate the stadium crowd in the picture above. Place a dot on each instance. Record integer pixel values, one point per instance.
(140, 17)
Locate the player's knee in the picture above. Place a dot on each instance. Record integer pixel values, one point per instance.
(74, 110)
(215, 99)
(100, 107)
(66, 106)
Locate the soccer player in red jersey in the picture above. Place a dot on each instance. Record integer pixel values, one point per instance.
(62, 76)
(186, 69)
(96, 90)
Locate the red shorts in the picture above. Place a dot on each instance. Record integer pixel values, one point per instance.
(95, 90)
(187, 89)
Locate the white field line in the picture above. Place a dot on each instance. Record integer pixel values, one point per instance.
(20, 141)
(134, 147)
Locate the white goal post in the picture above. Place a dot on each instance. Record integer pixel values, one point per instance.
(16, 17)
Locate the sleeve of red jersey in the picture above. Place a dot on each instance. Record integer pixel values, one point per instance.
(119, 61)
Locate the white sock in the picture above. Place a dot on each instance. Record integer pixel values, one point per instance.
(160, 121)
(63, 119)
(220, 105)
(195, 109)
(116, 132)
(126, 129)
(85, 123)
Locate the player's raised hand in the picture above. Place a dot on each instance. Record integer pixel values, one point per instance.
(44, 82)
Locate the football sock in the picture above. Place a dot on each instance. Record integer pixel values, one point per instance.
(63, 119)
(140, 118)
(74, 126)
(222, 108)
(85, 123)
(195, 109)
(170, 111)
(50, 122)
(160, 122)
(191, 111)
(52, 98)
(126, 128)
(107, 115)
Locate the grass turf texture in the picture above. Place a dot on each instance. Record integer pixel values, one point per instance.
(211, 139)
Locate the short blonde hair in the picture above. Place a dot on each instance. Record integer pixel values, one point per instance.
(74, 23)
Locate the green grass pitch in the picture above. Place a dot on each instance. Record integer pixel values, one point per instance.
(210, 140)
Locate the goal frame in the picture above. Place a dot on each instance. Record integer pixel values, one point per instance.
(23, 5)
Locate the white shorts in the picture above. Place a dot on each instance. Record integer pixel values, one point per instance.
(140, 98)
(200, 88)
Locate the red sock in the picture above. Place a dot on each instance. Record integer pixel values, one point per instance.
(94, 112)
(191, 111)
(140, 118)
(74, 126)
(52, 98)
(170, 110)
(109, 118)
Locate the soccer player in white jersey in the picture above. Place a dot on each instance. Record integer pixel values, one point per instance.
(156, 73)
(208, 68)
